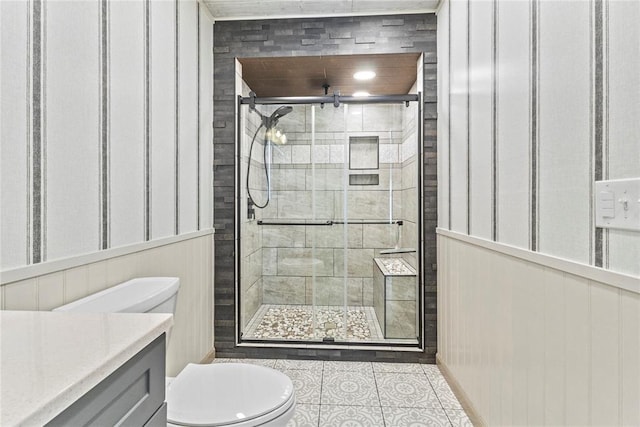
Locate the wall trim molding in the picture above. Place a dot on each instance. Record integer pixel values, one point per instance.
(458, 391)
(35, 270)
(597, 274)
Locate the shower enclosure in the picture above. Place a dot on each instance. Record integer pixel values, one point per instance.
(329, 220)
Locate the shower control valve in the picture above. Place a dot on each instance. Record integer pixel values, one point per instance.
(251, 211)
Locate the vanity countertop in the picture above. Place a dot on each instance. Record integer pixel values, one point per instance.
(48, 360)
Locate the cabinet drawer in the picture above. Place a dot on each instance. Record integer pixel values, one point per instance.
(130, 396)
(159, 419)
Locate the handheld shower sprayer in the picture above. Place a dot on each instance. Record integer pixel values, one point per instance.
(271, 135)
(272, 120)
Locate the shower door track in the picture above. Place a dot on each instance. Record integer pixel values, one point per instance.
(335, 99)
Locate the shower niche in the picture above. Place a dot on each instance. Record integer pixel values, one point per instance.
(318, 211)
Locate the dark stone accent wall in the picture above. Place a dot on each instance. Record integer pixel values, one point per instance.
(308, 37)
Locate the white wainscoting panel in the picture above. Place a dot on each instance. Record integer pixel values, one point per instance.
(126, 121)
(458, 172)
(530, 344)
(629, 357)
(191, 260)
(577, 344)
(14, 133)
(163, 118)
(565, 138)
(605, 354)
(71, 129)
(512, 169)
(188, 115)
(480, 122)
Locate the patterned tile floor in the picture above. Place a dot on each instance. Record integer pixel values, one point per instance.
(368, 394)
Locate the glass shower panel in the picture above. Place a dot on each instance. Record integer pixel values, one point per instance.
(329, 223)
(291, 261)
(326, 182)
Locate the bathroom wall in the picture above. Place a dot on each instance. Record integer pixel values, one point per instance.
(106, 112)
(325, 36)
(537, 308)
(188, 257)
(106, 152)
(531, 341)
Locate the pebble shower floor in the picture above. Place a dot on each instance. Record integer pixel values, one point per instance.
(296, 322)
(353, 394)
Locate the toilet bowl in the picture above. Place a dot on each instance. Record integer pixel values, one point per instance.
(222, 394)
(230, 394)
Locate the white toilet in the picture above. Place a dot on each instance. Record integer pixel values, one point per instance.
(224, 394)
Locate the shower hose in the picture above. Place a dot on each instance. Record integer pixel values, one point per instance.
(266, 170)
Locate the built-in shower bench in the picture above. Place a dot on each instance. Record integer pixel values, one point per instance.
(395, 292)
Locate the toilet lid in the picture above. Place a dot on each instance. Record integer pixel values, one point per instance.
(226, 393)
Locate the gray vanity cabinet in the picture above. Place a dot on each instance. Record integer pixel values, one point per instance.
(133, 395)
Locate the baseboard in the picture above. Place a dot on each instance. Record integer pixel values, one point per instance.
(209, 357)
(464, 400)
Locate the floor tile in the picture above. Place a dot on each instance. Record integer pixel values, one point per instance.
(305, 416)
(307, 384)
(458, 418)
(260, 362)
(349, 388)
(347, 366)
(414, 417)
(405, 390)
(431, 371)
(350, 416)
(298, 364)
(352, 393)
(405, 368)
(444, 393)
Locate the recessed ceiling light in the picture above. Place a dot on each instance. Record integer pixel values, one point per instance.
(361, 94)
(364, 75)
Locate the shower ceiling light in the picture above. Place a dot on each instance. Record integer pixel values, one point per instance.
(364, 75)
(361, 94)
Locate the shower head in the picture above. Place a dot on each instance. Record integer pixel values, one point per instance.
(277, 115)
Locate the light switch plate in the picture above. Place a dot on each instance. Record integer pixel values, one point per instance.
(617, 204)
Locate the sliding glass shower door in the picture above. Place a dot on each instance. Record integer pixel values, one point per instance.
(328, 223)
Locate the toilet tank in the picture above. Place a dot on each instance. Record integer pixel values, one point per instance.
(140, 295)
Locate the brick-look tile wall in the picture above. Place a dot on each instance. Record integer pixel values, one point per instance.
(306, 37)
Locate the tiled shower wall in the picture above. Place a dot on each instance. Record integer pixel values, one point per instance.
(303, 192)
(251, 250)
(410, 180)
(327, 36)
(284, 254)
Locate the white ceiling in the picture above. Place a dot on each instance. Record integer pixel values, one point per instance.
(270, 9)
